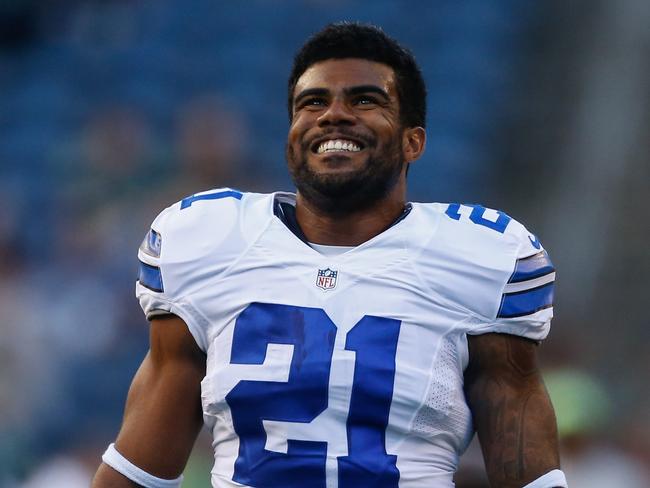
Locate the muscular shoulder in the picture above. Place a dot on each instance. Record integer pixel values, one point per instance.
(486, 262)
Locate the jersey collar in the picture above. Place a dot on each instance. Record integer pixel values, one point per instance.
(284, 208)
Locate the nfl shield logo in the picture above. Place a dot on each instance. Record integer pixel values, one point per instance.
(326, 279)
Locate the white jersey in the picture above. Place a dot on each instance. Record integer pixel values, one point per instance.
(340, 371)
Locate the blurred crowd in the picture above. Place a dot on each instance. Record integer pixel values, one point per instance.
(111, 110)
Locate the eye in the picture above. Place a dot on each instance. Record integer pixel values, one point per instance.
(365, 100)
(312, 102)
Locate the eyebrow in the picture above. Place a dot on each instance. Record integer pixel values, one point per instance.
(354, 90)
(310, 92)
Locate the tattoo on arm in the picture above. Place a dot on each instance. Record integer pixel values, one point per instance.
(512, 412)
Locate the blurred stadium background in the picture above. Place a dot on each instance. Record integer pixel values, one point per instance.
(111, 110)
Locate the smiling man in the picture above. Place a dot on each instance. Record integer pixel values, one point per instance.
(341, 336)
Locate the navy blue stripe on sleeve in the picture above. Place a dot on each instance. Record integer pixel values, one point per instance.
(532, 267)
(150, 277)
(526, 302)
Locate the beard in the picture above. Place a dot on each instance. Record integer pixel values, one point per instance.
(344, 193)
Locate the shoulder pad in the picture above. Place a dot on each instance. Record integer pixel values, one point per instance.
(522, 303)
(193, 241)
(490, 265)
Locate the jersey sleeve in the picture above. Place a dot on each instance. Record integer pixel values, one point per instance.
(525, 301)
(188, 241)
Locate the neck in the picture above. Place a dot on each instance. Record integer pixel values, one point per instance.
(350, 229)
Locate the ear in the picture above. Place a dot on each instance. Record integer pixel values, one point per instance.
(413, 143)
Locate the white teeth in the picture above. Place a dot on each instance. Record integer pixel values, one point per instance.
(337, 145)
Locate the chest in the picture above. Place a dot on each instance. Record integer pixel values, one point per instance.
(325, 358)
(301, 339)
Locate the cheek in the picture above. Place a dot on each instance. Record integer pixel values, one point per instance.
(296, 131)
(383, 126)
(390, 126)
(293, 141)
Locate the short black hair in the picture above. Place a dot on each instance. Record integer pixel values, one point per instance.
(343, 40)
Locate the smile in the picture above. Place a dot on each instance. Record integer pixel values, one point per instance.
(337, 145)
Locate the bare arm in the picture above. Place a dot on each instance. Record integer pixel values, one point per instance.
(163, 416)
(512, 412)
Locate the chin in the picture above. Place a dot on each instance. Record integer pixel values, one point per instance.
(336, 164)
(340, 184)
(337, 173)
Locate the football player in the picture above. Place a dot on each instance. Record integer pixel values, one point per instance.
(341, 336)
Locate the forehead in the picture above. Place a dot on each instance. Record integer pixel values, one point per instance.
(337, 74)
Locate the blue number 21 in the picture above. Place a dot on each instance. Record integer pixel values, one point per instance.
(305, 395)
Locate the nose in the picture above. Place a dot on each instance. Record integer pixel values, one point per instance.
(337, 113)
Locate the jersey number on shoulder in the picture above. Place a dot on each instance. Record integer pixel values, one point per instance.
(215, 195)
(477, 216)
(304, 395)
